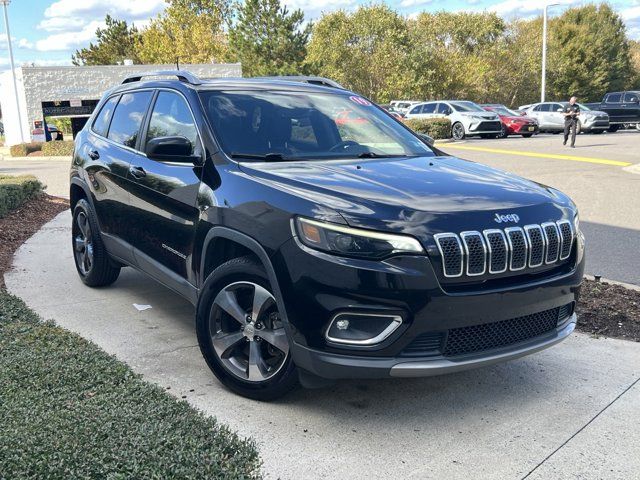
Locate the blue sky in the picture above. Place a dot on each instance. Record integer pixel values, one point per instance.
(47, 32)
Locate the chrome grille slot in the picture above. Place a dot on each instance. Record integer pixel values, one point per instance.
(498, 250)
(519, 248)
(451, 252)
(552, 239)
(566, 238)
(535, 239)
(475, 252)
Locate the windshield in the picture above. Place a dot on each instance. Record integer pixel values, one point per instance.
(466, 107)
(269, 125)
(502, 110)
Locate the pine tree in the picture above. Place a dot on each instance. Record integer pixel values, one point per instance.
(114, 44)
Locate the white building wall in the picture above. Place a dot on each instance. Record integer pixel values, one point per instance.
(42, 84)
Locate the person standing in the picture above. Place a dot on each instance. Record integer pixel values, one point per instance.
(571, 112)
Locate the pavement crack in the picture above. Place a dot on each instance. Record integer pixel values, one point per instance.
(581, 428)
(178, 348)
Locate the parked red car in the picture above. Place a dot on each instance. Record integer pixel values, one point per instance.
(513, 123)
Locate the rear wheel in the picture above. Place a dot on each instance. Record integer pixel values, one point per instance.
(503, 132)
(613, 128)
(457, 131)
(91, 258)
(241, 334)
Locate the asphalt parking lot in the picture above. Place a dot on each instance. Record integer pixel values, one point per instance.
(602, 175)
(566, 413)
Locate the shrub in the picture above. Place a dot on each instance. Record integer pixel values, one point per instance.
(436, 128)
(58, 148)
(14, 191)
(24, 149)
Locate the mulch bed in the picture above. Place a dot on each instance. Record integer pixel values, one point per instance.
(609, 310)
(22, 223)
(604, 309)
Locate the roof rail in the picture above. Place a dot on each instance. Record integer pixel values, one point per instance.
(325, 82)
(183, 76)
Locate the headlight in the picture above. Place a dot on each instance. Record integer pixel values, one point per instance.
(355, 242)
(576, 222)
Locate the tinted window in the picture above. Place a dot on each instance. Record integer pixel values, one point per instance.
(545, 107)
(171, 117)
(631, 97)
(127, 118)
(415, 110)
(428, 108)
(444, 108)
(101, 123)
(614, 98)
(556, 106)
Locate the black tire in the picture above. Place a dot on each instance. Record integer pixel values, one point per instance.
(597, 132)
(503, 132)
(92, 261)
(457, 131)
(240, 271)
(613, 128)
(527, 135)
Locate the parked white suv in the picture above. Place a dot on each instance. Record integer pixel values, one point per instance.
(402, 106)
(551, 119)
(467, 118)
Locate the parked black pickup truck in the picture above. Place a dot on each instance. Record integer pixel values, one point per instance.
(622, 107)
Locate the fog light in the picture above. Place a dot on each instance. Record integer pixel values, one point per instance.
(342, 324)
(361, 328)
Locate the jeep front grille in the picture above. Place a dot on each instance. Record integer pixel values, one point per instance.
(473, 253)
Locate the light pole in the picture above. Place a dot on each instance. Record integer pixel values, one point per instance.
(544, 50)
(13, 68)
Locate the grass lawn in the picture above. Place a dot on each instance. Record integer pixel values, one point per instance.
(69, 410)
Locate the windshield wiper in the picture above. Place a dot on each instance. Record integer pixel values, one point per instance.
(380, 155)
(268, 157)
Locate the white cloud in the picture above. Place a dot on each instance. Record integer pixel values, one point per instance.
(69, 40)
(413, 3)
(128, 9)
(524, 8)
(313, 9)
(22, 43)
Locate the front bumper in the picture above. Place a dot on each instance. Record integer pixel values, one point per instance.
(315, 286)
(334, 366)
(523, 128)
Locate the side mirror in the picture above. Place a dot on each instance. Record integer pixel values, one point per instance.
(171, 149)
(426, 138)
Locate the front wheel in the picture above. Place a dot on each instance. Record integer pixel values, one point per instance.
(503, 132)
(92, 261)
(613, 128)
(241, 333)
(457, 131)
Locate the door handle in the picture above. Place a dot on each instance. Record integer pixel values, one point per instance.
(94, 155)
(137, 172)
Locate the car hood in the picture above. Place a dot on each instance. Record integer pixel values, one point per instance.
(487, 115)
(594, 113)
(511, 118)
(420, 196)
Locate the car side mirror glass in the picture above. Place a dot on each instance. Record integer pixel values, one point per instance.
(426, 138)
(171, 149)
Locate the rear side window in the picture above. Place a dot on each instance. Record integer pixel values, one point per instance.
(171, 117)
(101, 123)
(416, 110)
(429, 108)
(444, 108)
(614, 98)
(127, 118)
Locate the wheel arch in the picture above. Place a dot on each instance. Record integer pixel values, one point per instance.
(78, 190)
(240, 244)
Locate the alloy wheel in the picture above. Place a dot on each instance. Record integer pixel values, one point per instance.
(458, 131)
(83, 243)
(246, 332)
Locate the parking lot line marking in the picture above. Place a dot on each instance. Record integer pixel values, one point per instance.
(573, 158)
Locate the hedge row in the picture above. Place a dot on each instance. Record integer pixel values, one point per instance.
(14, 191)
(70, 410)
(61, 148)
(24, 149)
(436, 128)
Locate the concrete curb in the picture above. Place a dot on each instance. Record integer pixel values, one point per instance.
(628, 286)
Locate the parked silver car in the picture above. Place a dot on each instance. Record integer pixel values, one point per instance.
(550, 118)
(467, 118)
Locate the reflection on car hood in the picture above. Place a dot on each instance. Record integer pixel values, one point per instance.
(407, 193)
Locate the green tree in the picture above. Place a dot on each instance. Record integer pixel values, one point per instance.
(634, 56)
(268, 39)
(589, 53)
(367, 51)
(188, 31)
(114, 44)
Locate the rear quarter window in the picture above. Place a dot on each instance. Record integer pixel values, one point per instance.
(101, 123)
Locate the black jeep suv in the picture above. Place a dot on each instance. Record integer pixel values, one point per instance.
(317, 244)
